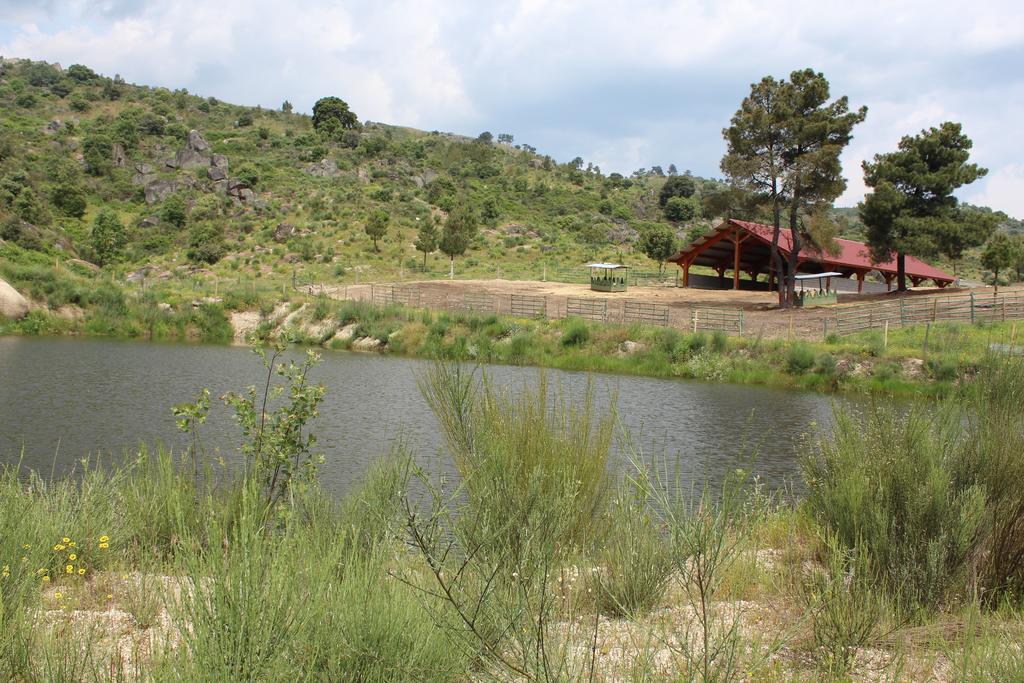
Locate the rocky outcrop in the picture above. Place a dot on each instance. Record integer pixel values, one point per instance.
(283, 232)
(195, 153)
(366, 344)
(118, 155)
(325, 168)
(217, 173)
(159, 190)
(12, 304)
(144, 174)
(629, 347)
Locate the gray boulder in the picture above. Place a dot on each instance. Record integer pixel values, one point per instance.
(119, 156)
(144, 174)
(12, 304)
(195, 153)
(159, 190)
(217, 173)
(283, 232)
(325, 168)
(220, 161)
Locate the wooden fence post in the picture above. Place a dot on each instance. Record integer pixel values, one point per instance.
(972, 307)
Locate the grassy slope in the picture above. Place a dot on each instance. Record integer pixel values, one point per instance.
(530, 204)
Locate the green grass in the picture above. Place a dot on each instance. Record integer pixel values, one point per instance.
(523, 566)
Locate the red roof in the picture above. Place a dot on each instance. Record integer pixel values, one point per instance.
(851, 254)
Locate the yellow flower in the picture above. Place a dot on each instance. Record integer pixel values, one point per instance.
(7, 568)
(42, 570)
(58, 596)
(69, 569)
(58, 547)
(26, 546)
(65, 540)
(104, 546)
(72, 557)
(110, 596)
(81, 571)
(104, 539)
(72, 544)
(46, 578)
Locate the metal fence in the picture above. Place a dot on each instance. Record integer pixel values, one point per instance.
(725, 319)
(644, 312)
(591, 309)
(528, 306)
(969, 307)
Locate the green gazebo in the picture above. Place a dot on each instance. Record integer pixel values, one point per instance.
(608, 277)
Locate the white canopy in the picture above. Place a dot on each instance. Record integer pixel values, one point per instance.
(605, 266)
(817, 275)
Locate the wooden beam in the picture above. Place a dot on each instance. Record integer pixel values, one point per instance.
(860, 281)
(736, 260)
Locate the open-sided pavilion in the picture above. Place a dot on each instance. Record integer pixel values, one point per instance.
(744, 247)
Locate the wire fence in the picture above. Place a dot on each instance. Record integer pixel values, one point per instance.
(551, 307)
(970, 307)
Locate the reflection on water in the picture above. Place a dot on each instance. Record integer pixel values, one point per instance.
(63, 399)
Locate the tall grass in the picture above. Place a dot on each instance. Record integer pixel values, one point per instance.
(503, 445)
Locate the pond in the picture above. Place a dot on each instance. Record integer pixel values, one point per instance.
(64, 399)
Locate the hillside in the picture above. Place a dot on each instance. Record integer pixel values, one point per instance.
(246, 191)
(120, 185)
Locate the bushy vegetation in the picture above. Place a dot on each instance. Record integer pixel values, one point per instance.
(351, 193)
(925, 494)
(547, 545)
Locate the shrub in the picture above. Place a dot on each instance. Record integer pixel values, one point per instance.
(825, 365)
(697, 342)
(575, 333)
(634, 565)
(799, 359)
(719, 341)
(885, 486)
(503, 445)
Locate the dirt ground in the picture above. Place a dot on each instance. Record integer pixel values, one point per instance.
(761, 314)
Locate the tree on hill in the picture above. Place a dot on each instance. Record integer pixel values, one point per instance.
(69, 199)
(174, 210)
(681, 209)
(783, 151)
(377, 226)
(287, 107)
(676, 186)
(658, 242)
(1018, 256)
(459, 230)
(486, 137)
(911, 209)
(426, 239)
(330, 113)
(108, 237)
(997, 255)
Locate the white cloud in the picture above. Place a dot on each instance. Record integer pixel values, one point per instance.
(622, 84)
(1003, 189)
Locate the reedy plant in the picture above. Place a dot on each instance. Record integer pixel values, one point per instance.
(498, 549)
(708, 530)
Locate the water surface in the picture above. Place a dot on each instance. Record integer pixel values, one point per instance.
(62, 399)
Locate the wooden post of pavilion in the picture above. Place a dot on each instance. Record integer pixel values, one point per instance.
(736, 259)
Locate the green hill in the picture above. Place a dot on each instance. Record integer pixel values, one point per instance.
(242, 191)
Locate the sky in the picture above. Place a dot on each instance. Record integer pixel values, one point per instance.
(623, 85)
